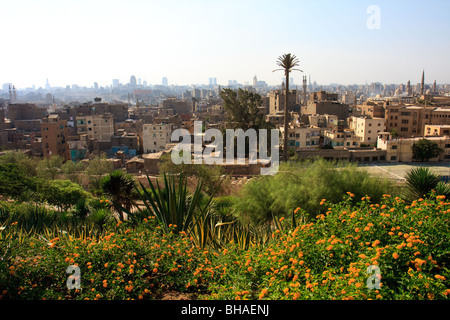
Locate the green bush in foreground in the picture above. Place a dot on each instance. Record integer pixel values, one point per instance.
(324, 258)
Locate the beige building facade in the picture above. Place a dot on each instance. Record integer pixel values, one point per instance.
(97, 127)
(155, 137)
(400, 150)
(367, 129)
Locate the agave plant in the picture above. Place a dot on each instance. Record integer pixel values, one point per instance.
(420, 182)
(442, 189)
(174, 208)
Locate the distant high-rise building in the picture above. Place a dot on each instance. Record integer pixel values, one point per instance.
(47, 85)
(255, 81)
(165, 82)
(115, 83)
(95, 85)
(215, 81)
(133, 81)
(210, 81)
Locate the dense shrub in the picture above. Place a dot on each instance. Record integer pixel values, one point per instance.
(304, 184)
(323, 258)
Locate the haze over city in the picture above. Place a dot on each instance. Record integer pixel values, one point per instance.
(82, 42)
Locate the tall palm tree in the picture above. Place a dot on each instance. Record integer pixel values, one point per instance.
(287, 62)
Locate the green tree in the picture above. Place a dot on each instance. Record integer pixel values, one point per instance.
(425, 149)
(26, 163)
(119, 186)
(16, 183)
(394, 133)
(50, 168)
(242, 111)
(72, 169)
(97, 168)
(63, 193)
(288, 63)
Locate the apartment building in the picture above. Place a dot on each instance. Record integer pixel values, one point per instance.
(328, 121)
(155, 137)
(54, 137)
(366, 128)
(98, 127)
(400, 150)
(437, 130)
(409, 121)
(325, 103)
(300, 137)
(341, 138)
(276, 101)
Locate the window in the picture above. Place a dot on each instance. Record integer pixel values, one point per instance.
(393, 158)
(404, 121)
(394, 147)
(404, 129)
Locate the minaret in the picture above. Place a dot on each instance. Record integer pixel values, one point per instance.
(408, 88)
(14, 94)
(434, 87)
(422, 86)
(304, 90)
(10, 95)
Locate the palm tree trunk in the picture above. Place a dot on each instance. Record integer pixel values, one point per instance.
(286, 119)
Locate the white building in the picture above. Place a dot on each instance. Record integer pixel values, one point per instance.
(367, 129)
(156, 136)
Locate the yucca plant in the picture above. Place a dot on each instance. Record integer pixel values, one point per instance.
(420, 182)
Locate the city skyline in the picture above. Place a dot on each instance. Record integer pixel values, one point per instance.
(83, 42)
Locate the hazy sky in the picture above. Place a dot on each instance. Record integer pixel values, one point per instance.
(188, 41)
